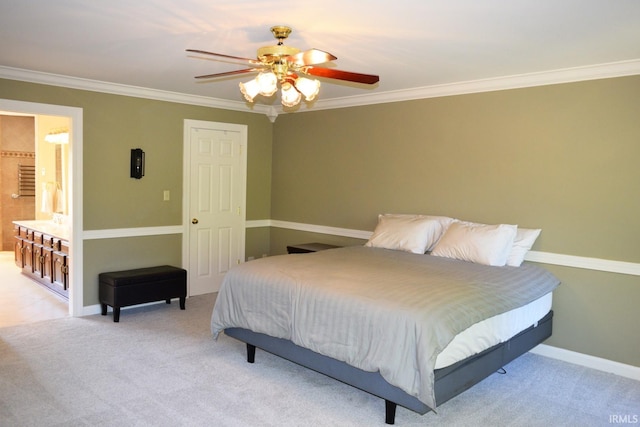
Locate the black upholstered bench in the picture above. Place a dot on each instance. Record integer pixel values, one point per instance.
(142, 285)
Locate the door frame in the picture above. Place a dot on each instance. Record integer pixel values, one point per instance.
(76, 290)
(189, 124)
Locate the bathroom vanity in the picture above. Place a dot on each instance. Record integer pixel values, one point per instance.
(42, 252)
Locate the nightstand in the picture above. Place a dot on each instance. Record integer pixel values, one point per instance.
(309, 247)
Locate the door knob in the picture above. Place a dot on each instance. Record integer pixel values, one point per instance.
(194, 221)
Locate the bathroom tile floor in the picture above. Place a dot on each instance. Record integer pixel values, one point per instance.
(23, 300)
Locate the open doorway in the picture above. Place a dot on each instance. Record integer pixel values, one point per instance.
(34, 177)
(57, 188)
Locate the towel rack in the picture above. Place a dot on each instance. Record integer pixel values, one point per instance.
(26, 180)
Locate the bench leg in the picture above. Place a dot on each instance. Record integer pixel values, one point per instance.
(116, 314)
(104, 309)
(168, 301)
(182, 301)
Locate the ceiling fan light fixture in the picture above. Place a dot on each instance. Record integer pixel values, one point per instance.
(268, 83)
(290, 96)
(308, 87)
(250, 89)
(280, 65)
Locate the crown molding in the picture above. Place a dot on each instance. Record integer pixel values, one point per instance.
(566, 75)
(134, 91)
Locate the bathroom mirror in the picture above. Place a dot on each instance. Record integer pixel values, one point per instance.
(52, 155)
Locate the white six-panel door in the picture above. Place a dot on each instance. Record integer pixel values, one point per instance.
(216, 202)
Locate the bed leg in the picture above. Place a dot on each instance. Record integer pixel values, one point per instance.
(390, 412)
(251, 353)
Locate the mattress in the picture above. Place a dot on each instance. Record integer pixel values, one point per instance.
(492, 331)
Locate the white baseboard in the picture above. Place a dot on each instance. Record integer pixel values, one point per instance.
(605, 365)
(97, 308)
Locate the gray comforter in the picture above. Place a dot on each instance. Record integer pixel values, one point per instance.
(375, 309)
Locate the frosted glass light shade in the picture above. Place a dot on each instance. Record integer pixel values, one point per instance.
(309, 88)
(250, 89)
(290, 96)
(268, 83)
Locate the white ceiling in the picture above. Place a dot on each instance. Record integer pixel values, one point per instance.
(408, 43)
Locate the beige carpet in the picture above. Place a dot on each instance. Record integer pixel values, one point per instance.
(160, 367)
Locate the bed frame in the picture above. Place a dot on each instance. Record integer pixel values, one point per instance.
(449, 381)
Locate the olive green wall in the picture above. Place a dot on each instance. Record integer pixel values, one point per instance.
(113, 125)
(563, 158)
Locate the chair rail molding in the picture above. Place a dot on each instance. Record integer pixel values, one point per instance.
(610, 266)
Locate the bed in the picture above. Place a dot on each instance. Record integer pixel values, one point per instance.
(412, 328)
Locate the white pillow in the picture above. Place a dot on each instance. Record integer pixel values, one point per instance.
(479, 243)
(409, 233)
(525, 238)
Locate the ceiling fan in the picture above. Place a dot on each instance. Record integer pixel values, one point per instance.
(283, 65)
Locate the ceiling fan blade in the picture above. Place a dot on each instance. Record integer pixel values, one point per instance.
(227, 73)
(252, 61)
(342, 75)
(311, 57)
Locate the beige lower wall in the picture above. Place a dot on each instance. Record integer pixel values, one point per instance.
(257, 242)
(595, 313)
(104, 255)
